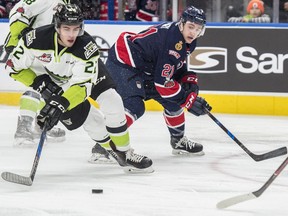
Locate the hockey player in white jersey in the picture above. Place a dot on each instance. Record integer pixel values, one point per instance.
(61, 62)
(24, 16)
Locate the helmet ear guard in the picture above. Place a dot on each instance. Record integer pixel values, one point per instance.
(194, 15)
(202, 31)
(69, 14)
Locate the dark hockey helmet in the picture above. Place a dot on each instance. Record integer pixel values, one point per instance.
(69, 14)
(194, 15)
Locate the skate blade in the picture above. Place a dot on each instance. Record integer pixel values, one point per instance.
(185, 153)
(101, 161)
(133, 170)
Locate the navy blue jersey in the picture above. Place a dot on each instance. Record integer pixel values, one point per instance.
(159, 52)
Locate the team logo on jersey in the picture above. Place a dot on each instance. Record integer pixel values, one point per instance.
(169, 84)
(20, 10)
(30, 36)
(174, 53)
(90, 48)
(45, 57)
(178, 46)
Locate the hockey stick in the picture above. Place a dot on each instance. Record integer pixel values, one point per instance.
(256, 157)
(253, 195)
(18, 179)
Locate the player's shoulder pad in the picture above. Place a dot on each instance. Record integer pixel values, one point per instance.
(85, 47)
(40, 38)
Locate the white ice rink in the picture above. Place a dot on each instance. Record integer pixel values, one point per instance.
(180, 186)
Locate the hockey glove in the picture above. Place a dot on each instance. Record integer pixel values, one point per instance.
(199, 107)
(189, 99)
(46, 87)
(52, 111)
(189, 82)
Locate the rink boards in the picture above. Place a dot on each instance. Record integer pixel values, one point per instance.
(241, 69)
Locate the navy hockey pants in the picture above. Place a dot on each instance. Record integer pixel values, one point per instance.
(134, 87)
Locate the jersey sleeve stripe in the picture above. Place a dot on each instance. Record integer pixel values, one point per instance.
(168, 92)
(122, 50)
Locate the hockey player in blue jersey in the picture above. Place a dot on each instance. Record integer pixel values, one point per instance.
(151, 65)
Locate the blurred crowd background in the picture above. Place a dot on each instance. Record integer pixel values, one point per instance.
(152, 10)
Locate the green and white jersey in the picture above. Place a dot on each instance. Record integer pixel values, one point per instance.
(34, 13)
(29, 13)
(74, 68)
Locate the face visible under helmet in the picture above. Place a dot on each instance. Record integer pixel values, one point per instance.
(194, 15)
(69, 14)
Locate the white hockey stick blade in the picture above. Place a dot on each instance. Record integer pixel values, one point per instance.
(235, 200)
(15, 178)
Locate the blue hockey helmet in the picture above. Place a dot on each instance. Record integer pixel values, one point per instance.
(194, 15)
(69, 14)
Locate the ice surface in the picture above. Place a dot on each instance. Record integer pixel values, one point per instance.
(180, 186)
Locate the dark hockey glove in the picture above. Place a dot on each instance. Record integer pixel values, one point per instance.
(189, 99)
(199, 107)
(52, 111)
(46, 87)
(189, 82)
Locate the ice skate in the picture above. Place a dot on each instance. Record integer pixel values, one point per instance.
(184, 146)
(100, 156)
(23, 135)
(132, 162)
(54, 135)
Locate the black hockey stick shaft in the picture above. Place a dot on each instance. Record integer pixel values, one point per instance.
(271, 179)
(38, 152)
(18, 179)
(253, 195)
(268, 155)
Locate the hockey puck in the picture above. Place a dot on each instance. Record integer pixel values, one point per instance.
(97, 191)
